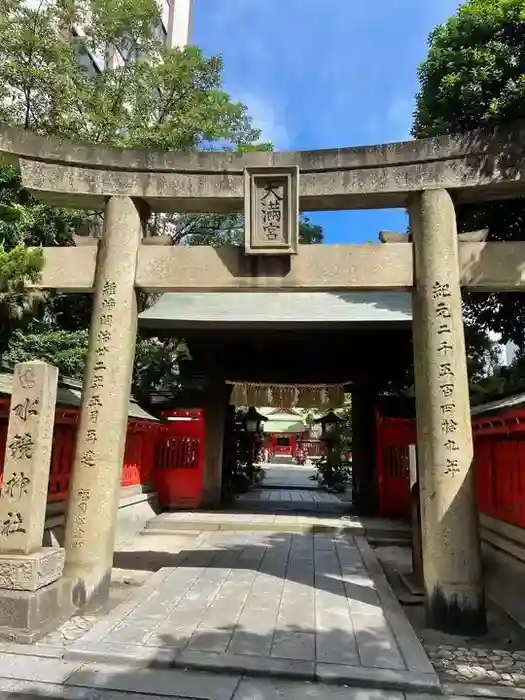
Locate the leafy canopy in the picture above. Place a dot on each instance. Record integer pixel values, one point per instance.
(473, 76)
(170, 99)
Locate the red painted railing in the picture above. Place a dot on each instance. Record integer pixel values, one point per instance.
(139, 458)
(312, 448)
(499, 451)
(499, 457)
(179, 460)
(393, 437)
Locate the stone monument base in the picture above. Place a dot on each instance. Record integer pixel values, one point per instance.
(30, 572)
(26, 616)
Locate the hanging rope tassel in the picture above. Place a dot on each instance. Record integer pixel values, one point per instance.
(287, 395)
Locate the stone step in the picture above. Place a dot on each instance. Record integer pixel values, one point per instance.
(229, 664)
(167, 527)
(182, 532)
(297, 507)
(388, 536)
(263, 486)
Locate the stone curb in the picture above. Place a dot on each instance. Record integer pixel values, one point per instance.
(299, 529)
(414, 655)
(255, 666)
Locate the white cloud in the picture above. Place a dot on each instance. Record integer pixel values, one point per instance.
(266, 117)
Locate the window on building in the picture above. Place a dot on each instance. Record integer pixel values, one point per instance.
(82, 54)
(128, 49)
(161, 32)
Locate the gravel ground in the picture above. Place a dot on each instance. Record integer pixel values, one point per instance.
(497, 658)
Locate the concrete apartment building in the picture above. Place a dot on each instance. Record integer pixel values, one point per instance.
(173, 30)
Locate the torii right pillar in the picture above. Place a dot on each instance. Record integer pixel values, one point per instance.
(450, 525)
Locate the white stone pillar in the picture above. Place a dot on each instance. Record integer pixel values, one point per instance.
(24, 563)
(450, 529)
(95, 481)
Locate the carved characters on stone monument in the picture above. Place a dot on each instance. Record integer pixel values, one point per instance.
(26, 409)
(88, 457)
(79, 519)
(21, 446)
(13, 523)
(15, 487)
(271, 211)
(28, 455)
(94, 403)
(26, 378)
(449, 425)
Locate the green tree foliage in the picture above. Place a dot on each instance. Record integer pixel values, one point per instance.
(66, 350)
(171, 99)
(156, 363)
(229, 230)
(474, 76)
(18, 267)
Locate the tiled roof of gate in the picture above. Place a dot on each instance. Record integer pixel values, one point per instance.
(273, 309)
(69, 395)
(513, 401)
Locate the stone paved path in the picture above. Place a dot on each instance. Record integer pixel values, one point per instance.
(287, 487)
(298, 500)
(290, 597)
(287, 476)
(305, 606)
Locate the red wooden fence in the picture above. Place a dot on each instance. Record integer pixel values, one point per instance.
(393, 436)
(499, 450)
(499, 457)
(179, 459)
(139, 456)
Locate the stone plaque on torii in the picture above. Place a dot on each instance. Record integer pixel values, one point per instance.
(271, 211)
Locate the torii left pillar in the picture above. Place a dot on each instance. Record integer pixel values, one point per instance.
(95, 481)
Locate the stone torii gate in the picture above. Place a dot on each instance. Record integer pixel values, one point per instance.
(427, 177)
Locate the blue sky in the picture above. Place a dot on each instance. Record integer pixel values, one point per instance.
(324, 74)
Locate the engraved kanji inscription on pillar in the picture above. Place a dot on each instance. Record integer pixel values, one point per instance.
(101, 437)
(449, 517)
(271, 210)
(28, 456)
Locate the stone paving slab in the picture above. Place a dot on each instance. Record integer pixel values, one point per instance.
(24, 668)
(183, 684)
(288, 476)
(256, 689)
(309, 606)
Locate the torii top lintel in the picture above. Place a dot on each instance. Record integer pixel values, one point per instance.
(474, 166)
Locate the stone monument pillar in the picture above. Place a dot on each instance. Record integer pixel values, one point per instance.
(450, 529)
(95, 481)
(29, 604)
